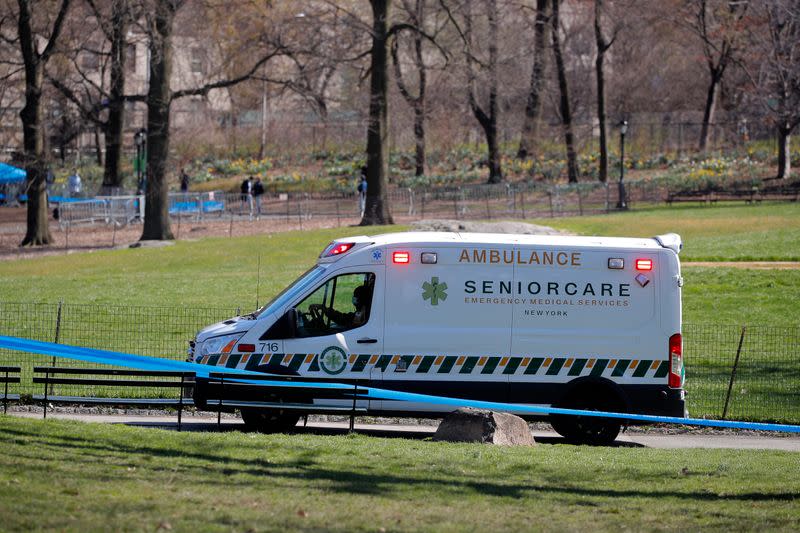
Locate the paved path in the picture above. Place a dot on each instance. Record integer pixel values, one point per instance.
(650, 439)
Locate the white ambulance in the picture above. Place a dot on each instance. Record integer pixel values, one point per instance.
(575, 322)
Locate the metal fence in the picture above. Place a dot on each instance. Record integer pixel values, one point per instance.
(735, 372)
(119, 210)
(483, 201)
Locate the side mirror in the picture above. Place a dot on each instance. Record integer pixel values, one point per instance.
(283, 328)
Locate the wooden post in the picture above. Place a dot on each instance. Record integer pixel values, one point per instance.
(180, 403)
(219, 400)
(733, 374)
(353, 412)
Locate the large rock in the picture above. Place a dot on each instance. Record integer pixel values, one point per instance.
(489, 427)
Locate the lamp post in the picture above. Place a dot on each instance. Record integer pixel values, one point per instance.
(140, 141)
(623, 129)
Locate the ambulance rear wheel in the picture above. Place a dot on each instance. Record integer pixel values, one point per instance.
(589, 430)
(269, 421)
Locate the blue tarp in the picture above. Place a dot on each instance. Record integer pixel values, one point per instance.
(11, 174)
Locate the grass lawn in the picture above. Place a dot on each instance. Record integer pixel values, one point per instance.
(739, 232)
(71, 476)
(215, 272)
(222, 273)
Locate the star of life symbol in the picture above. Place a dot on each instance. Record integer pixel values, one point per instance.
(333, 360)
(434, 291)
(377, 256)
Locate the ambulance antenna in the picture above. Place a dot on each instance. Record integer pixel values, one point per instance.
(258, 278)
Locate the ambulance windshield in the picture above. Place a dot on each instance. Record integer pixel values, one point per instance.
(290, 292)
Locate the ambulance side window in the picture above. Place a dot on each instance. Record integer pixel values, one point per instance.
(340, 304)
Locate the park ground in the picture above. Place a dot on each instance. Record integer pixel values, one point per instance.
(57, 475)
(83, 477)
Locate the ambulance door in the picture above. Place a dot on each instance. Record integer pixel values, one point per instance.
(339, 328)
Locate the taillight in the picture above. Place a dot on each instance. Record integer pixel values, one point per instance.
(644, 264)
(675, 361)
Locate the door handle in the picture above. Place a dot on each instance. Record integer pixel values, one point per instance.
(367, 341)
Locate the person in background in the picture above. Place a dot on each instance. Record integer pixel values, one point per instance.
(362, 191)
(74, 184)
(250, 200)
(246, 190)
(258, 190)
(184, 181)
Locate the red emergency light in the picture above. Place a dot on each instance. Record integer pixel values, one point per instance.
(337, 248)
(644, 264)
(401, 258)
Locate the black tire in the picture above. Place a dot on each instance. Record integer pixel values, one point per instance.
(589, 430)
(269, 420)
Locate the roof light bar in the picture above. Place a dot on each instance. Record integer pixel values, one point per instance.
(337, 248)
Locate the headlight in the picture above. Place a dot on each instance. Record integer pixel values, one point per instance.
(215, 345)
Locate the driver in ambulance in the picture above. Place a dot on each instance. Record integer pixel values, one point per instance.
(361, 297)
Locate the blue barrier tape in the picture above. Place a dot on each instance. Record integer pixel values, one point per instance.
(153, 363)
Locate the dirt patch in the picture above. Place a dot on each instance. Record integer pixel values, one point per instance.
(520, 228)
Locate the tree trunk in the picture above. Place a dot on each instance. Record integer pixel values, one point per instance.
(112, 178)
(377, 205)
(98, 151)
(37, 230)
(784, 152)
(419, 104)
(602, 47)
(419, 137)
(495, 168)
(566, 113)
(708, 113)
(156, 214)
(533, 107)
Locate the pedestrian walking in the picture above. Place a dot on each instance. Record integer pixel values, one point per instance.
(74, 185)
(247, 194)
(258, 191)
(184, 181)
(362, 191)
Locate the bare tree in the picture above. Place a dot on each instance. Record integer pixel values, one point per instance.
(564, 103)
(718, 27)
(486, 115)
(417, 16)
(774, 69)
(377, 205)
(159, 100)
(99, 91)
(533, 105)
(603, 44)
(30, 35)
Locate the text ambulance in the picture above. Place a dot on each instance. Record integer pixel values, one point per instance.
(575, 322)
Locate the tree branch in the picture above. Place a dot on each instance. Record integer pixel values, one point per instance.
(226, 83)
(57, 27)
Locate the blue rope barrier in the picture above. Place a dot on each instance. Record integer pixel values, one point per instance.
(153, 363)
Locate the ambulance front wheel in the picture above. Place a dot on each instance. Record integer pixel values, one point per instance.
(269, 421)
(589, 430)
